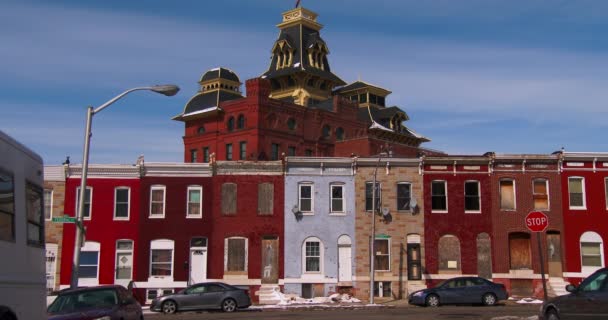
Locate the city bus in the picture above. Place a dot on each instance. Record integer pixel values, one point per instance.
(23, 268)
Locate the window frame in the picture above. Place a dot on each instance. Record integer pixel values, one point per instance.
(227, 255)
(514, 191)
(90, 246)
(445, 196)
(85, 215)
(591, 237)
(332, 211)
(478, 196)
(583, 193)
(312, 198)
(409, 201)
(117, 251)
(275, 151)
(205, 154)
(39, 224)
(162, 244)
(193, 155)
(388, 254)
(200, 203)
(128, 202)
(240, 121)
(378, 196)
(50, 205)
(229, 151)
(164, 203)
(305, 256)
(606, 191)
(534, 194)
(11, 214)
(230, 124)
(242, 150)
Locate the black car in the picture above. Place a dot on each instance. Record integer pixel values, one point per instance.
(461, 290)
(209, 295)
(101, 302)
(587, 301)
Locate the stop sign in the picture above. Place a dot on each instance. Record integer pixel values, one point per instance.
(537, 221)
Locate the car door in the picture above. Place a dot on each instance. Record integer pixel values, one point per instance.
(192, 298)
(475, 288)
(213, 296)
(130, 306)
(449, 292)
(589, 301)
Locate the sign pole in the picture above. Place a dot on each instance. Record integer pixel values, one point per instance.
(542, 265)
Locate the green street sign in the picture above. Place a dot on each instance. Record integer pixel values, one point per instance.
(64, 219)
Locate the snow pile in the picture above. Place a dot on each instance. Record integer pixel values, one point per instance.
(529, 301)
(288, 299)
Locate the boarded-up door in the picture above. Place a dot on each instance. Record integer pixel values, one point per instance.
(484, 256)
(345, 272)
(554, 254)
(519, 251)
(270, 260)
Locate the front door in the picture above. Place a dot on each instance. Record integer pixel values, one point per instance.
(519, 250)
(270, 260)
(198, 264)
(554, 254)
(345, 257)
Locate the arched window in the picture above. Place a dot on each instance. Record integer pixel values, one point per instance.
(325, 132)
(230, 124)
(240, 124)
(449, 254)
(339, 134)
(312, 255)
(592, 252)
(201, 130)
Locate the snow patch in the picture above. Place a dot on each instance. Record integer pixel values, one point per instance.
(529, 301)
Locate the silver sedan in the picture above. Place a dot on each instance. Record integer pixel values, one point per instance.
(201, 296)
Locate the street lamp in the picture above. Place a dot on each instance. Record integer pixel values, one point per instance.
(168, 90)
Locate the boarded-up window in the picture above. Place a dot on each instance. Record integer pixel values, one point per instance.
(519, 249)
(449, 253)
(484, 256)
(236, 254)
(541, 194)
(383, 254)
(507, 195)
(265, 198)
(229, 198)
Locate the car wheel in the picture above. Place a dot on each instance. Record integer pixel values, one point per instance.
(169, 307)
(432, 300)
(489, 299)
(228, 305)
(552, 315)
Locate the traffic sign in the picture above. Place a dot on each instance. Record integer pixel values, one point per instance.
(64, 219)
(537, 221)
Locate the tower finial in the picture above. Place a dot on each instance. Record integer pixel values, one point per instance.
(297, 3)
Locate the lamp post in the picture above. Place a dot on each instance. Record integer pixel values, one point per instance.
(168, 90)
(372, 254)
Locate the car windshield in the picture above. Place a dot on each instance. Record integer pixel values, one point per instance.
(75, 301)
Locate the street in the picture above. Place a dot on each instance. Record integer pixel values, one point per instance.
(503, 312)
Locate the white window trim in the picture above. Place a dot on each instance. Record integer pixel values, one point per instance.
(123, 251)
(91, 246)
(445, 185)
(548, 193)
(128, 202)
(389, 255)
(200, 204)
(514, 194)
(84, 217)
(584, 206)
(379, 194)
(246, 254)
(51, 205)
(331, 199)
(312, 198)
(606, 191)
(478, 196)
(162, 244)
(321, 255)
(158, 187)
(591, 237)
(397, 195)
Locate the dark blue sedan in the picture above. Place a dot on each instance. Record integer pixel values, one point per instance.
(111, 302)
(461, 290)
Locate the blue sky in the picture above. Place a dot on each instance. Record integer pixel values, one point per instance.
(474, 76)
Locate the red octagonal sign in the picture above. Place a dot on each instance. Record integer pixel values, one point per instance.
(537, 221)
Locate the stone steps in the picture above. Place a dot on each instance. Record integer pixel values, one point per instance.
(556, 287)
(269, 294)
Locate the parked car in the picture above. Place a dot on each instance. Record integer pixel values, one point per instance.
(209, 295)
(111, 302)
(461, 290)
(587, 301)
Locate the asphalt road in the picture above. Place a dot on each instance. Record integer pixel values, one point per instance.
(501, 312)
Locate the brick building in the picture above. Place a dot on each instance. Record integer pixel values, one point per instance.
(458, 217)
(54, 196)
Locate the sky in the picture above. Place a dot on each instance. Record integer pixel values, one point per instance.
(515, 77)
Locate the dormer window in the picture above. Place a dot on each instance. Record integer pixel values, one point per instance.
(283, 53)
(316, 55)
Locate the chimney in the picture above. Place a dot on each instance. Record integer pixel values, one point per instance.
(258, 88)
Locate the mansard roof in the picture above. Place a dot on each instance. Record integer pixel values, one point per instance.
(220, 73)
(206, 101)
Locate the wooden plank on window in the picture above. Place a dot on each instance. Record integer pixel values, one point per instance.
(229, 194)
(265, 198)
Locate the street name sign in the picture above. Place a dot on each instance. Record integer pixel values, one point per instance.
(64, 219)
